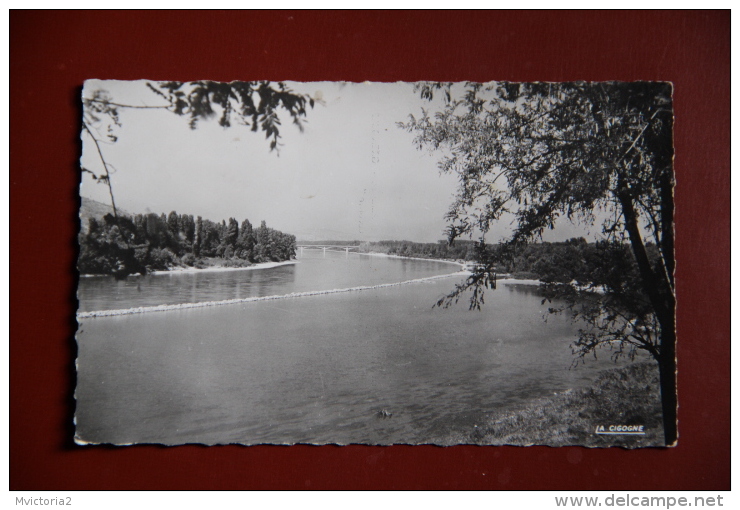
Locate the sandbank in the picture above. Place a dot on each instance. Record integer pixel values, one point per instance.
(210, 269)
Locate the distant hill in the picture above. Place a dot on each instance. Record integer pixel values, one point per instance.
(90, 208)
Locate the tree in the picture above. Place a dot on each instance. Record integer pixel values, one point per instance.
(186, 225)
(173, 223)
(231, 234)
(145, 243)
(536, 152)
(256, 104)
(198, 236)
(262, 245)
(245, 242)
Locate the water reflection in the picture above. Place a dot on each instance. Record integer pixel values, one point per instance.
(523, 288)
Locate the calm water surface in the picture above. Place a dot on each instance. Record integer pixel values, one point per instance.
(312, 271)
(316, 369)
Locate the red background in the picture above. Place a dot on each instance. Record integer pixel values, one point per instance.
(52, 53)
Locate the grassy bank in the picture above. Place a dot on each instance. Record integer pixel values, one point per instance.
(624, 396)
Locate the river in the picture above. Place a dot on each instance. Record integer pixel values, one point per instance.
(376, 366)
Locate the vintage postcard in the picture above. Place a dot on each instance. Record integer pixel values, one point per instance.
(376, 263)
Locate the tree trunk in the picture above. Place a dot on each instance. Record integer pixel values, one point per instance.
(661, 297)
(666, 215)
(655, 285)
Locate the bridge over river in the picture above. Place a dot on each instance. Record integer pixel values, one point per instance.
(327, 247)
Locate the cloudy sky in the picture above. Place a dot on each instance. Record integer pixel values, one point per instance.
(352, 174)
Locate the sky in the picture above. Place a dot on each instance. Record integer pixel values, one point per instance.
(353, 174)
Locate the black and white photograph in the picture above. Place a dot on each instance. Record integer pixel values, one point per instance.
(373, 263)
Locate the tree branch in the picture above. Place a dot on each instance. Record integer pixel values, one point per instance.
(105, 167)
(144, 107)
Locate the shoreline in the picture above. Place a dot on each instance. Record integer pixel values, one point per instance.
(209, 269)
(204, 304)
(388, 255)
(570, 418)
(269, 265)
(216, 269)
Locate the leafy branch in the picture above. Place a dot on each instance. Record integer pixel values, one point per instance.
(254, 104)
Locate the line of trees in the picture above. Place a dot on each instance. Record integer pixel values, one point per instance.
(574, 260)
(461, 250)
(145, 242)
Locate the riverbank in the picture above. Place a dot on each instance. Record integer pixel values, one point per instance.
(403, 257)
(623, 396)
(216, 267)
